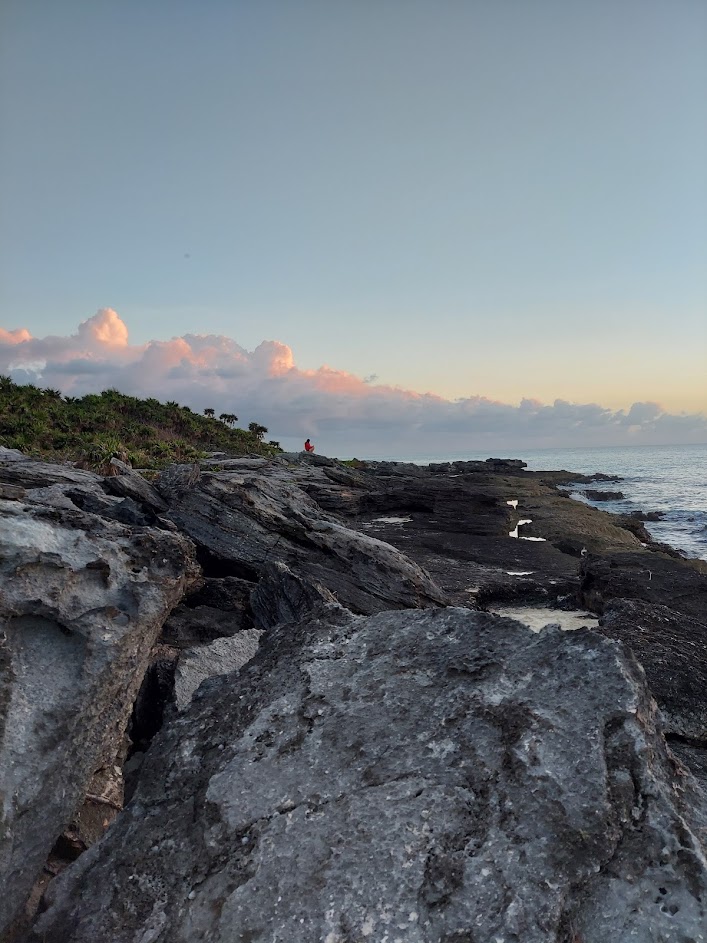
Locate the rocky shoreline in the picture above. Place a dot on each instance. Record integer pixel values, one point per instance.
(280, 699)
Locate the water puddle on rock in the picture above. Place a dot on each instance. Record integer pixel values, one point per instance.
(514, 533)
(391, 520)
(536, 618)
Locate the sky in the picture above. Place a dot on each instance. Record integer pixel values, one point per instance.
(399, 225)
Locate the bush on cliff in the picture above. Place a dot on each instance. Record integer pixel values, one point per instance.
(94, 428)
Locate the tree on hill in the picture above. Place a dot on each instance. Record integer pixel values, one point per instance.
(257, 430)
(209, 412)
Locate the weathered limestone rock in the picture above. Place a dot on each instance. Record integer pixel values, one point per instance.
(125, 510)
(187, 626)
(155, 694)
(11, 455)
(220, 606)
(281, 596)
(672, 647)
(19, 470)
(177, 478)
(130, 484)
(221, 657)
(11, 492)
(229, 593)
(82, 600)
(648, 577)
(248, 521)
(421, 776)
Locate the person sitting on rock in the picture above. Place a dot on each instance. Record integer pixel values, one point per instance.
(308, 447)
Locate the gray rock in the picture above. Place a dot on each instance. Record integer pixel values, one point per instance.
(18, 469)
(281, 596)
(11, 455)
(221, 657)
(424, 777)
(82, 602)
(187, 626)
(652, 578)
(154, 698)
(58, 495)
(671, 647)
(12, 492)
(242, 464)
(125, 510)
(226, 592)
(130, 484)
(176, 479)
(245, 522)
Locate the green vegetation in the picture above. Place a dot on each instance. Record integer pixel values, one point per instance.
(97, 427)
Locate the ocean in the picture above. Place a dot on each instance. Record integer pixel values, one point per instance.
(667, 478)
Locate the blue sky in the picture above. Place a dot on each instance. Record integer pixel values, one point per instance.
(502, 199)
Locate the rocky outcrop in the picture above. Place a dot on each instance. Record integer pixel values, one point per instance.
(443, 775)
(221, 657)
(242, 523)
(128, 483)
(187, 626)
(282, 596)
(82, 600)
(671, 646)
(307, 765)
(648, 577)
(594, 495)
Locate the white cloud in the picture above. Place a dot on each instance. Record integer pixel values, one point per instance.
(343, 413)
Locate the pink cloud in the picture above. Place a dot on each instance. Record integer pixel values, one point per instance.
(104, 329)
(18, 336)
(346, 413)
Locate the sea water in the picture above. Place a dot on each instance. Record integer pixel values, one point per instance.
(667, 478)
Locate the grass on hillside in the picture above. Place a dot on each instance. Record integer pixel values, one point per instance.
(94, 428)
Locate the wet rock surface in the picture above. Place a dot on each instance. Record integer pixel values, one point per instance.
(420, 776)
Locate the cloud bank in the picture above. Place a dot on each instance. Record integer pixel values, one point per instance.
(344, 414)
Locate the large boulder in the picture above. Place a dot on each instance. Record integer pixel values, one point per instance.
(244, 522)
(223, 656)
(671, 647)
(652, 578)
(282, 596)
(82, 600)
(430, 776)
